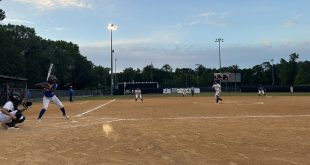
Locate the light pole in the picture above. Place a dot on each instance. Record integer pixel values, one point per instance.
(219, 40)
(272, 72)
(115, 71)
(235, 71)
(111, 28)
(197, 65)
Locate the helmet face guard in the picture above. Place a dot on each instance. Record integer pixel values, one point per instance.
(15, 98)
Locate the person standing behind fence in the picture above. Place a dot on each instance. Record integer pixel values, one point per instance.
(29, 95)
(70, 93)
(217, 87)
(138, 94)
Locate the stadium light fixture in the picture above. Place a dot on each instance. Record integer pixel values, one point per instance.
(219, 40)
(111, 28)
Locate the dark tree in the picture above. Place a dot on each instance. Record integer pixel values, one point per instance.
(2, 14)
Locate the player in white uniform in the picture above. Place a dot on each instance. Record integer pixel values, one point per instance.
(261, 91)
(217, 87)
(138, 94)
(49, 95)
(291, 89)
(9, 115)
(183, 92)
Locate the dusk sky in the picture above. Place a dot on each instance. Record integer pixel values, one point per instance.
(180, 33)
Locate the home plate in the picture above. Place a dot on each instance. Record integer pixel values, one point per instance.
(74, 121)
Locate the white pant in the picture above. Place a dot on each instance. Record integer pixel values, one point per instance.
(54, 99)
(5, 118)
(217, 93)
(261, 92)
(138, 96)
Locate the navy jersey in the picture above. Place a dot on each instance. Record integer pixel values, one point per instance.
(50, 92)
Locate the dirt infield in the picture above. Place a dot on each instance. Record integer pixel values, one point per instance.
(165, 130)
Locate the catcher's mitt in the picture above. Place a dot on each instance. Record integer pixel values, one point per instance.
(27, 104)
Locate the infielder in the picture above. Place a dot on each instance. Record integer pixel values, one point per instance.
(138, 94)
(192, 91)
(217, 87)
(183, 92)
(261, 91)
(291, 89)
(49, 95)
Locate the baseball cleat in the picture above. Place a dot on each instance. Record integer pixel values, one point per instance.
(66, 117)
(13, 128)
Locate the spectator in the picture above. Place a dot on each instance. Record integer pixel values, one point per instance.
(70, 93)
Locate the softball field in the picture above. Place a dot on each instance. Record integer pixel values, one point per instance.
(243, 130)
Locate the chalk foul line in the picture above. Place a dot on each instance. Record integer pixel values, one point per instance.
(79, 115)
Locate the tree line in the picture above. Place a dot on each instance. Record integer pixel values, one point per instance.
(24, 54)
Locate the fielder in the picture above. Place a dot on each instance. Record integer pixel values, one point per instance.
(138, 94)
(261, 91)
(183, 92)
(291, 89)
(49, 95)
(217, 87)
(192, 91)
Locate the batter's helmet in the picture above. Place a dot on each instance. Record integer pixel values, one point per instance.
(52, 79)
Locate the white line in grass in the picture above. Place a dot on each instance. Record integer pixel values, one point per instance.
(79, 115)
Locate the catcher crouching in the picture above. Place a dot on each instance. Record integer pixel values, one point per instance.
(10, 114)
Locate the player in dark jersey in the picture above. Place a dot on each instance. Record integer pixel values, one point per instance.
(49, 96)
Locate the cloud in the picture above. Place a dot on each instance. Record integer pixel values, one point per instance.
(185, 56)
(54, 4)
(17, 21)
(165, 39)
(293, 20)
(290, 24)
(60, 28)
(266, 43)
(212, 18)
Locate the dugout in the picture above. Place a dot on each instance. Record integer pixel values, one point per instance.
(129, 87)
(9, 84)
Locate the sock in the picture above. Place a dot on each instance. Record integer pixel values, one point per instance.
(63, 111)
(41, 113)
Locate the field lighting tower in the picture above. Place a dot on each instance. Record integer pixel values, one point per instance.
(197, 65)
(272, 72)
(111, 28)
(115, 71)
(219, 40)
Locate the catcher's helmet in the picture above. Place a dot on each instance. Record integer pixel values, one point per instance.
(52, 79)
(15, 97)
